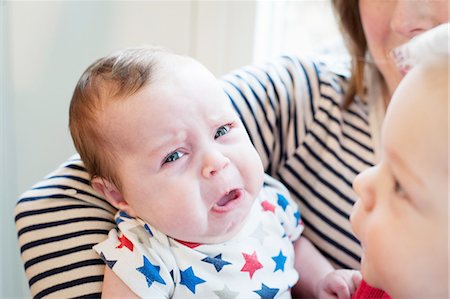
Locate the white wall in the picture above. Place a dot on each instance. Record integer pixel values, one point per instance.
(44, 48)
(295, 27)
(11, 269)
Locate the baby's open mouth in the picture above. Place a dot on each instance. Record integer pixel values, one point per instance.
(228, 200)
(232, 195)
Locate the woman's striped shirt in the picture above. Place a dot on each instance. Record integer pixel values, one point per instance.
(291, 108)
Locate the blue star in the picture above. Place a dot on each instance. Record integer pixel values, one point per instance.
(266, 293)
(122, 214)
(147, 228)
(217, 261)
(297, 216)
(109, 263)
(150, 272)
(282, 201)
(189, 279)
(280, 260)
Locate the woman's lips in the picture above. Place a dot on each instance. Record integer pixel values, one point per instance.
(228, 201)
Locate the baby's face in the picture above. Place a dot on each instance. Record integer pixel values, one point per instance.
(401, 217)
(187, 165)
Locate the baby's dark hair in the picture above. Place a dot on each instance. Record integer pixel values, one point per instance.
(111, 78)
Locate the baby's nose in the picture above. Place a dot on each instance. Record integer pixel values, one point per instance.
(363, 188)
(213, 163)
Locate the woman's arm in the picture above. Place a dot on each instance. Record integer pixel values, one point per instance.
(318, 279)
(114, 287)
(311, 266)
(58, 221)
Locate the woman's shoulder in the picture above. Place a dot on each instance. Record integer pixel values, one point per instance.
(71, 181)
(298, 76)
(328, 64)
(333, 65)
(58, 220)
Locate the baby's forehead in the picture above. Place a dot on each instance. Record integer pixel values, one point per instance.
(172, 63)
(429, 83)
(417, 119)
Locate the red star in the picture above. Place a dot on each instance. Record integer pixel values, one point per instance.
(251, 263)
(267, 206)
(189, 244)
(125, 242)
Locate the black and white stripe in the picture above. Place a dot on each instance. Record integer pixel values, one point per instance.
(307, 141)
(58, 221)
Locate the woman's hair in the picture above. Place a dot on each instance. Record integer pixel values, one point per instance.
(112, 78)
(349, 20)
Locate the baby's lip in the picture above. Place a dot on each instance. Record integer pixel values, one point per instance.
(228, 200)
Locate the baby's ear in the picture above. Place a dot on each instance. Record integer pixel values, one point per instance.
(112, 194)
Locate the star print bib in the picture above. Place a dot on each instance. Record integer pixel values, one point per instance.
(256, 263)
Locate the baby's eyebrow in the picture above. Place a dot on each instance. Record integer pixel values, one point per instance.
(166, 141)
(399, 163)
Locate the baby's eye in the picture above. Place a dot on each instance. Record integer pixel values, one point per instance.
(398, 189)
(222, 131)
(173, 157)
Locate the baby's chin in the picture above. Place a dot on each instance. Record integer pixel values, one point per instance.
(224, 233)
(368, 273)
(220, 237)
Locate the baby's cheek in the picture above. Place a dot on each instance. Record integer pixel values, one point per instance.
(251, 168)
(356, 219)
(379, 253)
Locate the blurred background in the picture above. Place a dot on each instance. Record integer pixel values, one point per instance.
(46, 45)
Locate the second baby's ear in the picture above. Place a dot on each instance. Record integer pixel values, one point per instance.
(112, 194)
